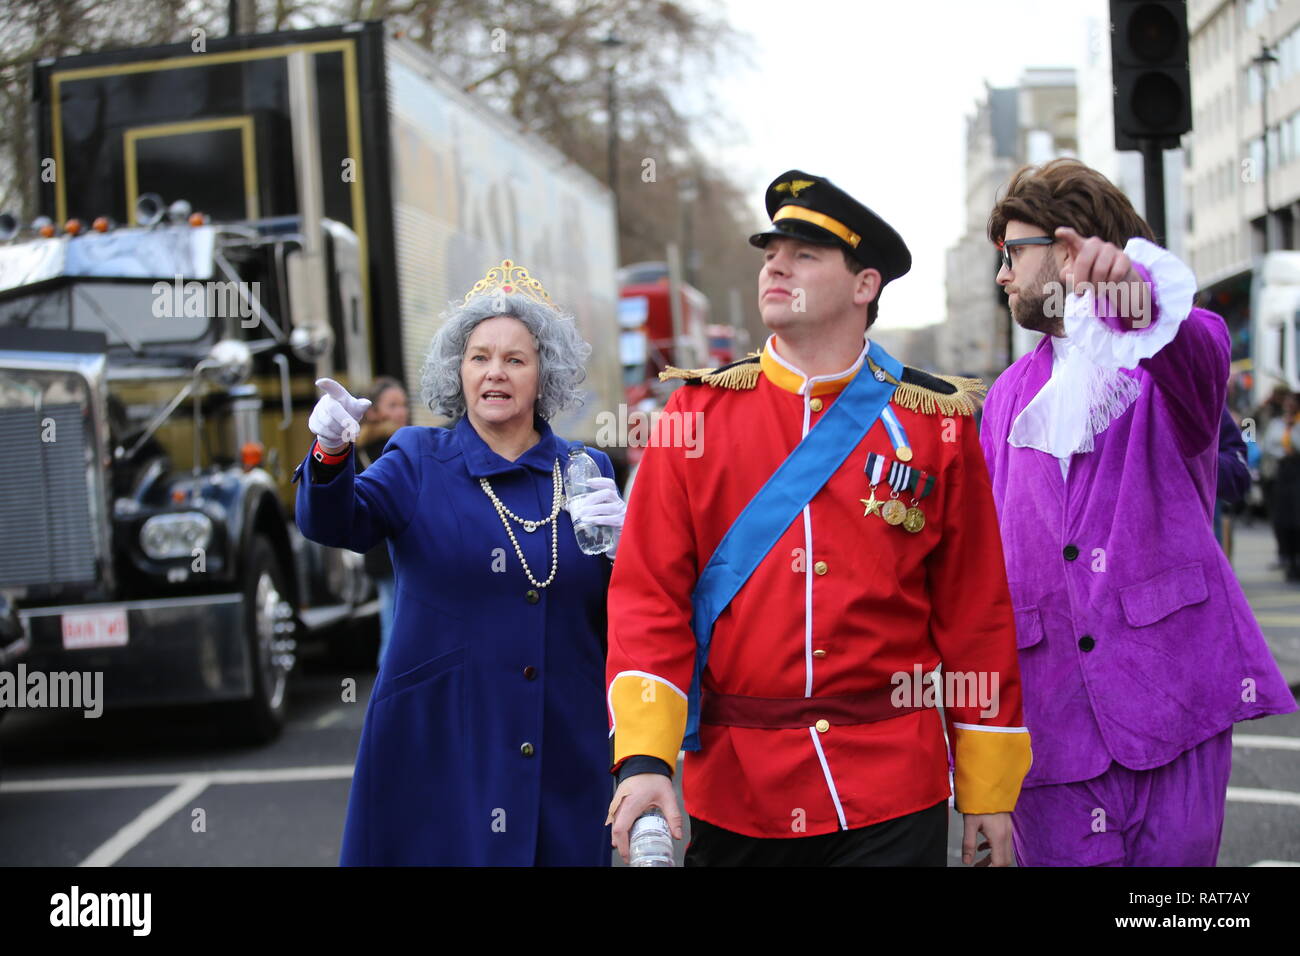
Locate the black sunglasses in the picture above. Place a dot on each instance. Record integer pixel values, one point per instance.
(1006, 245)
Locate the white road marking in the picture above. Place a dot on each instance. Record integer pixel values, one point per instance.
(1255, 795)
(1274, 863)
(124, 840)
(327, 719)
(215, 777)
(1262, 740)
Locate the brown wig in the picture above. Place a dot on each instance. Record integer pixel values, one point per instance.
(1065, 192)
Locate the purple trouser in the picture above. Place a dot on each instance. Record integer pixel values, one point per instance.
(1168, 816)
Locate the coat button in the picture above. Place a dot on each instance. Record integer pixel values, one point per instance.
(819, 653)
(1070, 552)
(1086, 643)
(530, 672)
(820, 567)
(815, 404)
(532, 596)
(822, 726)
(526, 750)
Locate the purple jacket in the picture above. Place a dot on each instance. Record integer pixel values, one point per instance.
(1136, 641)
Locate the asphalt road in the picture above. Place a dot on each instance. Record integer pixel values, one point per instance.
(160, 788)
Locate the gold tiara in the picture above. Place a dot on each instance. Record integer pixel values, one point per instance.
(511, 280)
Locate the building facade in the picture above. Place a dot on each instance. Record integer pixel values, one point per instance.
(1245, 67)
(1030, 123)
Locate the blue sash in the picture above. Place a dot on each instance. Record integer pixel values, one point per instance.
(778, 503)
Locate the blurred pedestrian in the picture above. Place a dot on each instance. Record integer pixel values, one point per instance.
(1269, 411)
(1281, 445)
(388, 412)
(1136, 641)
(486, 738)
(1234, 479)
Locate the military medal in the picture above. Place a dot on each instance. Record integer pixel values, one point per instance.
(900, 478)
(893, 511)
(923, 484)
(875, 470)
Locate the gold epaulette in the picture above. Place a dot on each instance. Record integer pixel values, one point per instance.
(925, 393)
(741, 374)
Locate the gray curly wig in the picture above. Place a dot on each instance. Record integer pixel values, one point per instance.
(561, 354)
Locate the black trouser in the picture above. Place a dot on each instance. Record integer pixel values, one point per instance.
(916, 839)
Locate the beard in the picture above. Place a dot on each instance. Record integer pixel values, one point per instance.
(1030, 309)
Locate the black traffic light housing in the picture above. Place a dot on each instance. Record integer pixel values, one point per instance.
(1148, 57)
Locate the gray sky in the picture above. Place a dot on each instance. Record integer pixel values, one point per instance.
(874, 95)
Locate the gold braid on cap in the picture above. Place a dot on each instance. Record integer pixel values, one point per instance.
(510, 279)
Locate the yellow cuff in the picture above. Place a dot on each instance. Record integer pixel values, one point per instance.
(989, 765)
(649, 715)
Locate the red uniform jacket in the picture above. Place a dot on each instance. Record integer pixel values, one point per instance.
(843, 604)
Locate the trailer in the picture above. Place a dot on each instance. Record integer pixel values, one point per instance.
(220, 227)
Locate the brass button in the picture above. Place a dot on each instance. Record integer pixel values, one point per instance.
(815, 404)
(823, 725)
(526, 750)
(820, 567)
(532, 596)
(819, 653)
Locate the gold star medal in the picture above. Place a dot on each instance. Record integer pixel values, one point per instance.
(875, 470)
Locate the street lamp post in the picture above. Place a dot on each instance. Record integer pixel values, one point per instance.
(1265, 57)
(687, 193)
(611, 43)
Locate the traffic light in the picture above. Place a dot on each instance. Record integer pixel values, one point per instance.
(1148, 59)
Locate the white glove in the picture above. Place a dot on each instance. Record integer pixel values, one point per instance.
(336, 419)
(602, 506)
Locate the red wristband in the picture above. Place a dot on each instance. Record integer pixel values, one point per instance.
(325, 458)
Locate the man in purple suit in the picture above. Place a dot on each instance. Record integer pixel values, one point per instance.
(1138, 650)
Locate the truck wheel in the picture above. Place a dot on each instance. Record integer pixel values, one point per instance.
(269, 627)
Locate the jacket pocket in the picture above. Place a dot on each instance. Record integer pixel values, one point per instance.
(1159, 597)
(1029, 627)
(422, 673)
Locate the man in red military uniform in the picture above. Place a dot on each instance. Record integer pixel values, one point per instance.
(796, 685)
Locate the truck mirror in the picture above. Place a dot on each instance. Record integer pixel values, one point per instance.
(149, 209)
(310, 342)
(228, 364)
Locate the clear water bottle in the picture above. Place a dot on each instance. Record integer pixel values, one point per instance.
(652, 842)
(592, 538)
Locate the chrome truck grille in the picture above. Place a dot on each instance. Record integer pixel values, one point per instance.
(46, 529)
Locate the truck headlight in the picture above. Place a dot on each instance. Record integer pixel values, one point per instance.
(175, 535)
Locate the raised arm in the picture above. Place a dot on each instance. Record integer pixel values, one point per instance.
(1143, 316)
(336, 506)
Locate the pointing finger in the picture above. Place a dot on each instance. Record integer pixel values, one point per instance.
(333, 389)
(1070, 238)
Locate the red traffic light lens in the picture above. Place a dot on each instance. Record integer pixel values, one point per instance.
(1153, 32)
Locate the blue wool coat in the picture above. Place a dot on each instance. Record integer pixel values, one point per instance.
(486, 734)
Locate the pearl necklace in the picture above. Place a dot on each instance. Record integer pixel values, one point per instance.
(504, 513)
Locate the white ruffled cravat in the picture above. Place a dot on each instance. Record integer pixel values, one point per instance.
(1087, 389)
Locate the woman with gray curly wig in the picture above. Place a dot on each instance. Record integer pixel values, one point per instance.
(486, 735)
